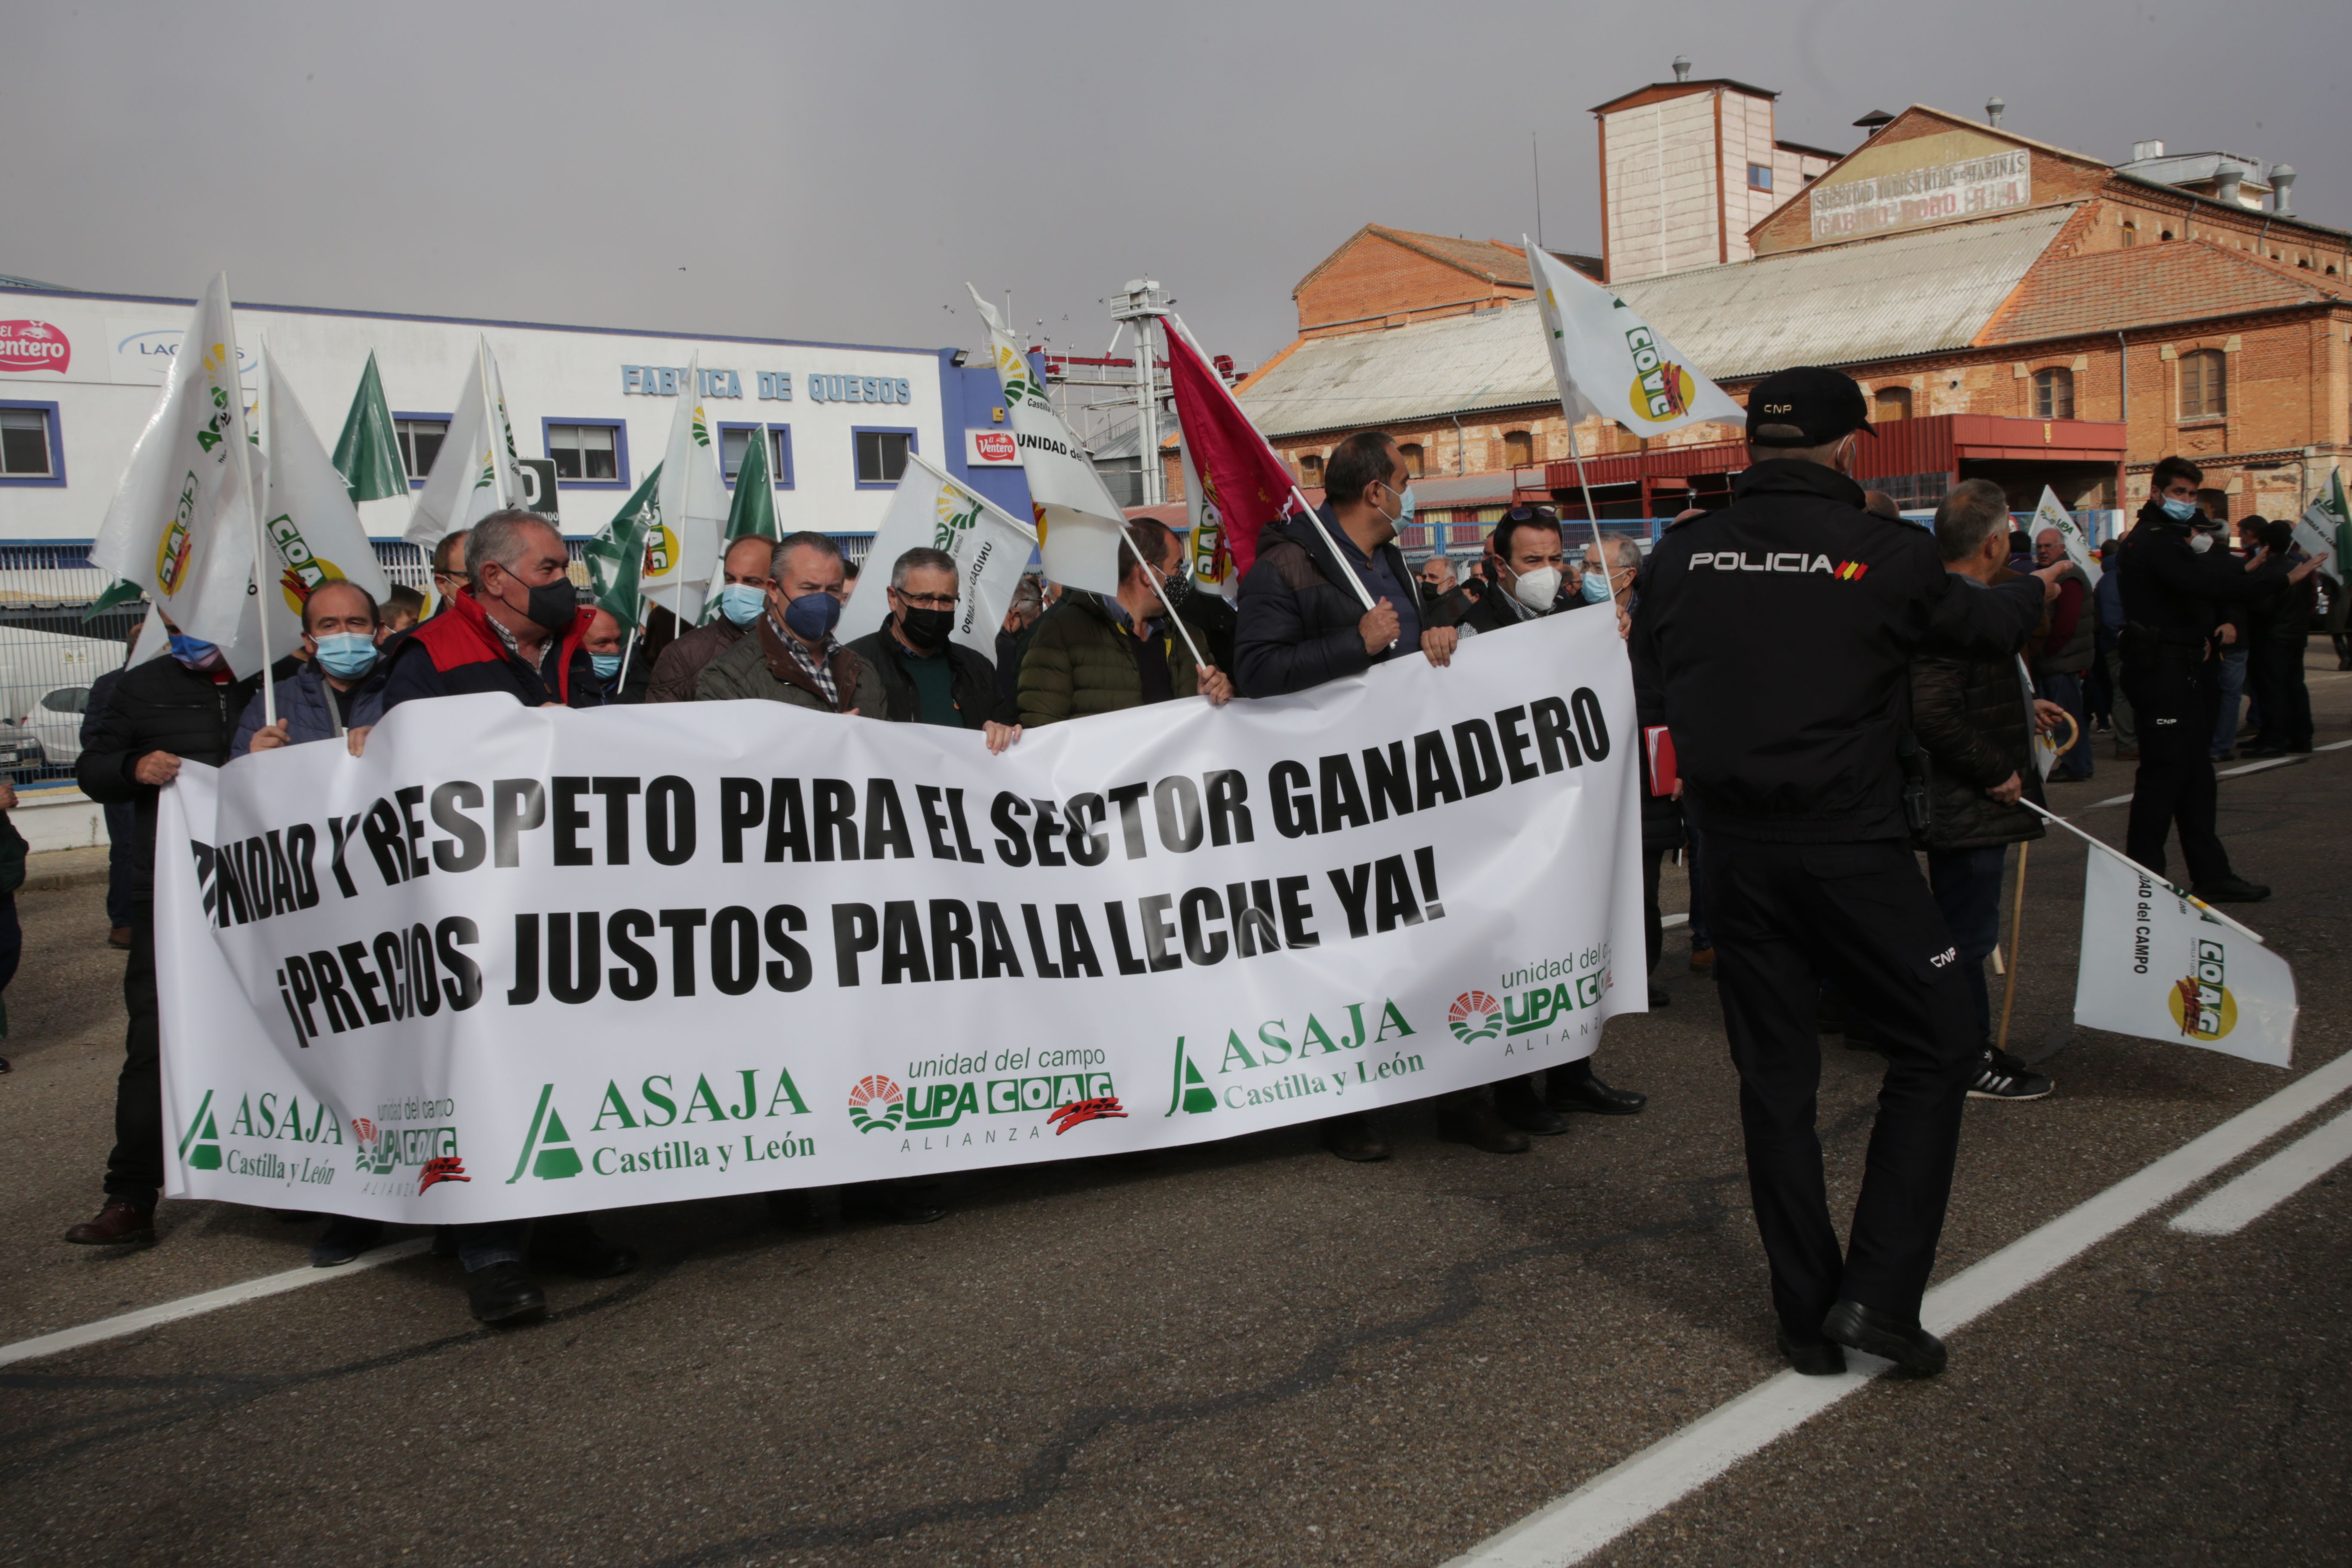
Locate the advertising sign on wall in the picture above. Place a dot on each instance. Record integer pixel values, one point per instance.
(1970, 187)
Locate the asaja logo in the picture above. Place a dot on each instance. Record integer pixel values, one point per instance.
(661, 549)
(1474, 1016)
(876, 1105)
(203, 1135)
(1661, 390)
(2201, 1004)
(701, 429)
(958, 513)
(547, 1150)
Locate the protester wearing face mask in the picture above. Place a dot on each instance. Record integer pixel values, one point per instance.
(791, 655)
(742, 599)
(1105, 653)
(2174, 586)
(1524, 561)
(1613, 584)
(338, 692)
(181, 707)
(516, 627)
(929, 677)
(607, 645)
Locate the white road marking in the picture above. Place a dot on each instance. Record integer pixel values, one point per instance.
(208, 1302)
(2258, 767)
(2111, 800)
(1680, 920)
(2333, 746)
(1576, 1526)
(2229, 1209)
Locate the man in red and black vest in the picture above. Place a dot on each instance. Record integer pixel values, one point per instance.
(517, 625)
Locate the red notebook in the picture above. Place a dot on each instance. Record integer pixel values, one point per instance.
(1662, 777)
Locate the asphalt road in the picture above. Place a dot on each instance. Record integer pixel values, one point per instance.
(1244, 1353)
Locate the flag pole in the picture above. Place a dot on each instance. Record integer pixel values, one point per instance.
(1592, 512)
(2016, 944)
(243, 439)
(490, 419)
(1173, 618)
(2056, 820)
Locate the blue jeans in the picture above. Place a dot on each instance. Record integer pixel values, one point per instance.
(2065, 689)
(1967, 885)
(2234, 686)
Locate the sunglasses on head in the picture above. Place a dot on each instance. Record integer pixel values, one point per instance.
(1532, 514)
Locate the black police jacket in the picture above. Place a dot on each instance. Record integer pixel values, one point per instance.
(159, 706)
(2170, 592)
(1774, 638)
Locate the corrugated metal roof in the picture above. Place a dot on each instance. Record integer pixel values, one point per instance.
(1883, 299)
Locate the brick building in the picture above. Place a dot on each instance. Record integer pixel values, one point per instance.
(2041, 315)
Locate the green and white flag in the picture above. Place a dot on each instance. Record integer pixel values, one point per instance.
(616, 556)
(118, 592)
(682, 542)
(1608, 361)
(476, 472)
(991, 546)
(181, 522)
(367, 454)
(2048, 513)
(1079, 526)
(751, 514)
(310, 529)
(2325, 529)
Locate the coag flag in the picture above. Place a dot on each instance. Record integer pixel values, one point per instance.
(616, 556)
(1233, 484)
(367, 454)
(182, 522)
(990, 544)
(2048, 513)
(751, 514)
(1608, 361)
(682, 540)
(2155, 965)
(476, 471)
(2325, 530)
(311, 531)
(1078, 524)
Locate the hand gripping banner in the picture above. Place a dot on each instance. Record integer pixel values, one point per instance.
(517, 962)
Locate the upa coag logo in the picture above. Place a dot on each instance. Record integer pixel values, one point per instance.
(2201, 1003)
(1661, 390)
(661, 549)
(1474, 1016)
(877, 1105)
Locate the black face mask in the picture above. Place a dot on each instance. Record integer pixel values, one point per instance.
(551, 606)
(927, 629)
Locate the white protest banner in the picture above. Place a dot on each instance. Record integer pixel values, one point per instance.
(991, 546)
(501, 966)
(2155, 965)
(2048, 513)
(1078, 523)
(476, 472)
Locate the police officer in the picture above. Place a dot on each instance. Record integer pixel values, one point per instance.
(2172, 579)
(1773, 638)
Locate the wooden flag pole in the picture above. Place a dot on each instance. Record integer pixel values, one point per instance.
(2016, 937)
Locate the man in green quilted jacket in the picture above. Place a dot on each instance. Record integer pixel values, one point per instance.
(1098, 653)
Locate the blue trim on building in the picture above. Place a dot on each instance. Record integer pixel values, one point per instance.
(400, 413)
(620, 428)
(913, 445)
(56, 477)
(779, 455)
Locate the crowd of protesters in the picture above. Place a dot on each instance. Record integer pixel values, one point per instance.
(1326, 598)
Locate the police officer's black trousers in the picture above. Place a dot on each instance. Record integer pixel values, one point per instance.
(2175, 699)
(1785, 916)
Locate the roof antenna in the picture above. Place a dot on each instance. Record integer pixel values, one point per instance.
(1682, 68)
(1993, 107)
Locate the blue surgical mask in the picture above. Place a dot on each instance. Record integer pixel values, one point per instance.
(812, 616)
(346, 655)
(740, 602)
(1596, 587)
(2180, 510)
(1404, 511)
(606, 665)
(194, 652)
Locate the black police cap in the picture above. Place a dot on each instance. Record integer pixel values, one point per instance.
(1824, 403)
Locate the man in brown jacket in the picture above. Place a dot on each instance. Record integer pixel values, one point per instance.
(790, 655)
(741, 600)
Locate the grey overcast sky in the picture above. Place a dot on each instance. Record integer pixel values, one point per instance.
(837, 171)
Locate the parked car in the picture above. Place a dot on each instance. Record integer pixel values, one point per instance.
(20, 752)
(55, 721)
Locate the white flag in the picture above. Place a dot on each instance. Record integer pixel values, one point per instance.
(682, 547)
(992, 548)
(2048, 513)
(311, 531)
(181, 524)
(1078, 524)
(2155, 965)
(1608, 361)
(476, 472)
(2325, 529)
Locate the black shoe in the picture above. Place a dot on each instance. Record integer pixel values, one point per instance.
(1477, 1125)
(1352, 1136)
(345, 1239)
(892, 1204)
(577, 1250)
(1820, 1359)
(2268, 748)
(2001, 1076)
(1518, 1104)
(1658, 997)
(1589, 1093)
(1874, 1332)
(2232, 889)
(503, 1293)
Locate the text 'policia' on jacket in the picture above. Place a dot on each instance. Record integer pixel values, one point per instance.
(457, 653)
(1299, 612)
(1774, 638)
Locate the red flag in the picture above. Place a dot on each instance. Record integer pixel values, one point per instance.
(1241, 478)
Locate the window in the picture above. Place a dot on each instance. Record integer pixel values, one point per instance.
(1891, 403)
(2204, 385)
(67, 700)
(1518, 448)
(2131, 233)
(2053, 393)
(589, 453)
(779, 455)
(1310, 469)
(1760, 176)
(735, 444)
(1411, 453)
(28, 444)
(881, 455)
(420, 437)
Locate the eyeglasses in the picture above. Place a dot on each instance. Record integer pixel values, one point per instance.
(1536, 514)
(927, 601)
